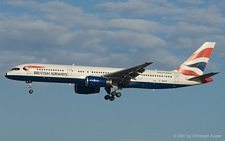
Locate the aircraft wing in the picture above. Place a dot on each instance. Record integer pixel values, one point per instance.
(124, 76)
(201, 77)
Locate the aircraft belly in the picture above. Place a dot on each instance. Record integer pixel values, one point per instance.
(150, 85)
(47, 79)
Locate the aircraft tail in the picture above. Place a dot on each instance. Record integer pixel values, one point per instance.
(196, 63)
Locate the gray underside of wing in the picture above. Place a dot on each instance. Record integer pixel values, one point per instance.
(124, 76)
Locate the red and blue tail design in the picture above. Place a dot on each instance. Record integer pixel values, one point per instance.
(196, 63)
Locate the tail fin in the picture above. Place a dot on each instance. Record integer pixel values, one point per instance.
(196, 63)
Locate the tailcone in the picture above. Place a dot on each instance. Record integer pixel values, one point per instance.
(207, 80)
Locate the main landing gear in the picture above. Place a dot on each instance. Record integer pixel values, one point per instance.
(111, 96)
(30, 87)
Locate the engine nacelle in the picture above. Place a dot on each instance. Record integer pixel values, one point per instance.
(95, 81)
(81, 89)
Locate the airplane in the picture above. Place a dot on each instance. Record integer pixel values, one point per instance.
(89, 79)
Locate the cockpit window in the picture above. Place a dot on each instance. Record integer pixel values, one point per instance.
(16, 69)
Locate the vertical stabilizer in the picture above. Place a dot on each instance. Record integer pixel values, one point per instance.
(196, 63)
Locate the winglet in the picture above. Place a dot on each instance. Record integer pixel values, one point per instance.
(141, 69)
(148, 63)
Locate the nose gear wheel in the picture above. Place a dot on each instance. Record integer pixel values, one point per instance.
(30, 87)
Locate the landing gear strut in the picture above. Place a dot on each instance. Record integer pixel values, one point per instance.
(30, 87)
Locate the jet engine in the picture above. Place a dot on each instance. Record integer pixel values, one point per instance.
(95, 81)
(81, 89)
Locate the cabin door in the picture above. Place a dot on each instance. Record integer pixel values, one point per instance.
(69, 71)
(176, 76)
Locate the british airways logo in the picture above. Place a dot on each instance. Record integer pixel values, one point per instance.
(43, 71)
(50, 73)
(32, 67)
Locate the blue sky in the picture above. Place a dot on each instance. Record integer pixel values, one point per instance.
(113, 34)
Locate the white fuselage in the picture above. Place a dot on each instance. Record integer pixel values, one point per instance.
(150, 79)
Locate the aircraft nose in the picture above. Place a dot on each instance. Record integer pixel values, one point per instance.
(6, 75)
(9, 75)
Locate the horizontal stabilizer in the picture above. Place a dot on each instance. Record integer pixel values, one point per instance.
(202, 77)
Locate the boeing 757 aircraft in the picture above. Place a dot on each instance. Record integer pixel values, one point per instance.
(89, 80)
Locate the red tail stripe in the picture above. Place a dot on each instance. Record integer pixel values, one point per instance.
(204, 53)
(187, 72)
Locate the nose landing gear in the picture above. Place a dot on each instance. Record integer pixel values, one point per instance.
(30, 87)
(31, 91)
